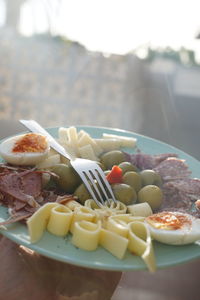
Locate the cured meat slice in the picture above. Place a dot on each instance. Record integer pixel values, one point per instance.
(172, 169)
(11, 185)
(146, 161)
(187, 186)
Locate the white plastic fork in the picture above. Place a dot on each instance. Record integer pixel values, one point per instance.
(91, 174)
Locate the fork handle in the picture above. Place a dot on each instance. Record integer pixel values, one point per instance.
(36, 127)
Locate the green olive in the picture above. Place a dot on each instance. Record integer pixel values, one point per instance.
(133, 179)
(82, 193)
(101, 165)
(150, 177)
(112, 158)
(151, 194)
(68, 179)
(124, 193)
(127, 167)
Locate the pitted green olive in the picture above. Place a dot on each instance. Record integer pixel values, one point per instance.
(112, 158)
(151, 194)
(101, 165)
(150, 177)
(133, 179)
(82, 193)
(124, 193)
(68, 179)
(127, 167)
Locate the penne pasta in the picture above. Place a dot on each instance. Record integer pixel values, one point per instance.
(108, 144)
(59, 220)
(86, 235)
(62, 135)
(87, 152)
(125, 141)
(85, 139)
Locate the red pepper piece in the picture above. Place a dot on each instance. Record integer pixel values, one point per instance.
(115, 175)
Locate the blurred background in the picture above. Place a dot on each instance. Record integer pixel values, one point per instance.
(126, 64)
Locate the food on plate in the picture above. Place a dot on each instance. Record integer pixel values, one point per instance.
(81, 144)
(86, 235)
(133, 179)
(125, 141)
(140, 209)
(82, 193)
(140, 243)
(150, 177)
(127, 167)
(26, 149)
(114, 243)
(153, 192)
(37, 223)
(174, 228)
(67, 178)
(124, 193)
(59, 220)
(111, 158)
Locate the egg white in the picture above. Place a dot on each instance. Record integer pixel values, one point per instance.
(20, 158)
(184, 235)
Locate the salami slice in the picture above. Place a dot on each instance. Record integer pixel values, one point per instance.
(146, 161)
(188, 186)
(172, 169)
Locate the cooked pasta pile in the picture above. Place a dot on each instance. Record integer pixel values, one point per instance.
(111, 227)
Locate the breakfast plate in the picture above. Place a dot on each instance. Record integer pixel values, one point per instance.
(61, 249)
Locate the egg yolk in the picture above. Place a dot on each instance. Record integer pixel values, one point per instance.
(169, 221)
(30, 142)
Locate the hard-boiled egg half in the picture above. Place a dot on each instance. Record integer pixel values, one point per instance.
(174, 228)
(27, 149)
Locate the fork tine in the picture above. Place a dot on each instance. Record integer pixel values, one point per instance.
(85, 181)
(102, 177)
(94, 184)
(99, 180)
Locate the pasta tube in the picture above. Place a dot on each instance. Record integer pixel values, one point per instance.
(118, 207)
(91, 204)
(60, 220)
(82, 213)
(73, 204)
(38, 221)
(140, 209)
(125, 141)
(140, 243)
(118, 224)
(86, 235)
(114, 243)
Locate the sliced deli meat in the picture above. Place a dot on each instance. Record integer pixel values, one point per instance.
(172, 168)
(147, 161)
